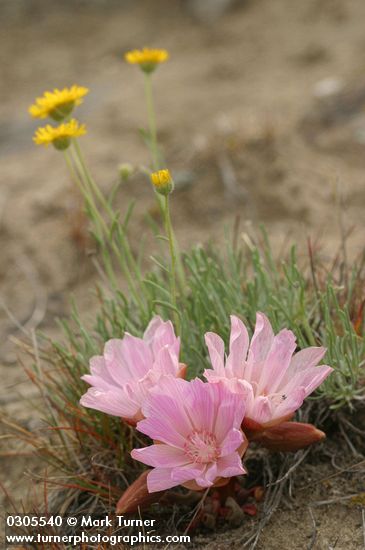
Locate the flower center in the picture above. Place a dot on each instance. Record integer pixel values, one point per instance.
(202, 447)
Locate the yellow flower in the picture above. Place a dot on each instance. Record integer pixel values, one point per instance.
(59, 136)
(59, 103)
(162, 181)
(147, 58)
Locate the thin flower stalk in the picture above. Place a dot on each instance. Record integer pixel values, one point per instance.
(172, 271)
(164, 186)
(133, 267)
(129, 263)
(98, 220)
(156, 164)
(156, 159)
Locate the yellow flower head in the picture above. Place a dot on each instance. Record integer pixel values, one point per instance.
(59, 136)
(162, 181)
(147, 58)
(59, 103)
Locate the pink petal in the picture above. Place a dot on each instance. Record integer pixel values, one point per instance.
(187, 473)
(163, 456)
(246, 391)
(161, 429)
(231, 442)
(161, 333)
(208, 476)
(238, 346)
(165, 336)
(293, 401)
(309, 378)
(135, 354)
(139, 391)
(117, 369)
(98, 369)
(202, 402)
(235, 384)
(167, 401)
(309, 357)
(166, 361)
(176, 388)
(213, 376)
(110, 402)
(99, 382)
(277, 361)
(260, 346)
(261, 410)
(230, 465)
(215, 408)
(230, 414)
(151, 330)
(303, 360)
(215, 347)
(159, 479)
(318, 377)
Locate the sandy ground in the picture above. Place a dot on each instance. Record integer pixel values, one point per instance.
(261, 114)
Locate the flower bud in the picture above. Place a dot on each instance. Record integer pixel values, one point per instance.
(288, 436)
(125, 170)
(162, 182)
(137, 496)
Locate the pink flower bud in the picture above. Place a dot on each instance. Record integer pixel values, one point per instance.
(137, 496)
(288, 436)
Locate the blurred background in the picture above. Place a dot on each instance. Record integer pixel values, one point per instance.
(260, 113)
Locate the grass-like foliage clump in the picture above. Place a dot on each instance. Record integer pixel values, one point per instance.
(92, 449)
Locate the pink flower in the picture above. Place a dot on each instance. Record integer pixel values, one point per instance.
(197, 426)
(272, 381)
(129, 368)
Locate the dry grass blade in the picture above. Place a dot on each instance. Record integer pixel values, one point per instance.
(301, 456)
(272, 500)
(334, 500)
(314, 535)
(197, 510)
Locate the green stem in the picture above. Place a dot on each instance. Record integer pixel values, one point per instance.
(92, 183)
(172, 271)
(91, 187)
(151, 121)
(97, 219)
(156, 163)
(121, 233)
(74, 175)
(88, 190)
